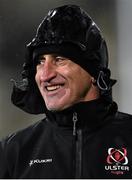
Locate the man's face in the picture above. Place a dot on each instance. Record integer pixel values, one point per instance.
(62, 82)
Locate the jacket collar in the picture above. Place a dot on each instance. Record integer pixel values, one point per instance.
(90, 114)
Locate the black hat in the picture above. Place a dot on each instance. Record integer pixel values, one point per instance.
(69, 31)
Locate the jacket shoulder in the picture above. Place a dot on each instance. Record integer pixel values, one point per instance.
(23, 135)
(122, 120)
(20, 141)
(121, 116)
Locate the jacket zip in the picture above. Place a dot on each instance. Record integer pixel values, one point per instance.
(77, 133)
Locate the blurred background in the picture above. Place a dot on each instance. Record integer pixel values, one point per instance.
(18, 22)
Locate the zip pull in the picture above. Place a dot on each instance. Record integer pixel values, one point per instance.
(74, 123)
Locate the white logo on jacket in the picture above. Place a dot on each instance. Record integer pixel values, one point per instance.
(117, 161)
(39, 161)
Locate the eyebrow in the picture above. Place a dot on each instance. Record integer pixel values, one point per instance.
(52, 54)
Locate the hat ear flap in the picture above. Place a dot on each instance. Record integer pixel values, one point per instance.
(29, 100)
(25, 94)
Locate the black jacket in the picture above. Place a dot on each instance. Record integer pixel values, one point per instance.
(89, 140)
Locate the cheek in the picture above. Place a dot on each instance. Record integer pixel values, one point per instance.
(81, 83)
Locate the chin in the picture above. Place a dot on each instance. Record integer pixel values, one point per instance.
(56, 108)
(53, 108)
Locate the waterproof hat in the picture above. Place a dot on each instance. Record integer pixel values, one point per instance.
(69, 31)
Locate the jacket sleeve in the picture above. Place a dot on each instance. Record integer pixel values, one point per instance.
(4, 173)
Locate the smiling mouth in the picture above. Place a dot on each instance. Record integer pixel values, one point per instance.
(53, 87)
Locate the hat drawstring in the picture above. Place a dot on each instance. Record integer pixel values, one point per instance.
(101, 82)
(22, 85)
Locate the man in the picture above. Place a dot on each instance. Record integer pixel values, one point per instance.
(66, 76)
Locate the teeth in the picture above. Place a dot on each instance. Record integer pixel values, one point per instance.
(52, 88)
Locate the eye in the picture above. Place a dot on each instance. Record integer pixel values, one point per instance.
(41, 60)
(60, 60)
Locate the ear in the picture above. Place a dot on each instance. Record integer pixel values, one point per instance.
(93, 80)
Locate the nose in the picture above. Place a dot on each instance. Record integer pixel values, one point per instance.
(48, 69)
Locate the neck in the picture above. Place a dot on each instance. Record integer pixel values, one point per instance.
(92, 94)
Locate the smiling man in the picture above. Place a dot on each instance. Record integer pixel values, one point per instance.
(66, 77)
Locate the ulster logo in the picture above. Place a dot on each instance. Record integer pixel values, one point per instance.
(117, 161)
(117, 156)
